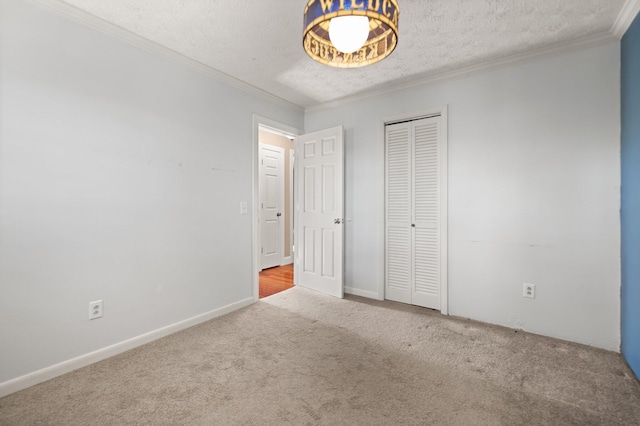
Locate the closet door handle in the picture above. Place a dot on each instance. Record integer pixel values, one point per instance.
(413, 225)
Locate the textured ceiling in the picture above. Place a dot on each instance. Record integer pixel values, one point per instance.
(260, 42)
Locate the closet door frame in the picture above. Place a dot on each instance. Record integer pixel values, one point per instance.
(443, 225)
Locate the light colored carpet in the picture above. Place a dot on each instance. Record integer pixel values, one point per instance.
(303, 358)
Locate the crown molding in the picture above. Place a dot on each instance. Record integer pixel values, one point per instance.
(625, 18)
(152, 47)
(520, 58)
(628, 13)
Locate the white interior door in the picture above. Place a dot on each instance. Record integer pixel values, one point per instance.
(271, 205)
(319, 208)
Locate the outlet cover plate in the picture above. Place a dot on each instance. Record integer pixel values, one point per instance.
(95, 309)
(529, 291)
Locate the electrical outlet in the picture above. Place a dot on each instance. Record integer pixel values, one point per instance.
(95, 309)
(529, 290)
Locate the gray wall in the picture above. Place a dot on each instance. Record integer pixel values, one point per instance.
(534, 192)
(121, 176)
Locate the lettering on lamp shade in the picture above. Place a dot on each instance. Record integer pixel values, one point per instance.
(380, 42)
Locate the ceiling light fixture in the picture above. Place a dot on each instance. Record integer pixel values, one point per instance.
(350, 33)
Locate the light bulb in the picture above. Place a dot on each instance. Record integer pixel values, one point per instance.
(349, 33)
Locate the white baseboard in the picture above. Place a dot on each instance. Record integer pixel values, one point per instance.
(363, 293)
(287, 260)
(47, 373)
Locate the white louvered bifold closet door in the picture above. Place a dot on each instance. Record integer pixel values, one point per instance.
(413, 206)
(426, 206)
(398, 213)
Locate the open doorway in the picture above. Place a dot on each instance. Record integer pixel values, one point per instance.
(318, 254)
(275, 210)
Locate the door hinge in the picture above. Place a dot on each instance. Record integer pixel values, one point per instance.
(262, 250)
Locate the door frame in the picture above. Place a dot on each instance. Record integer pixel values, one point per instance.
(291, 258)
(260, 121)
(443, 111)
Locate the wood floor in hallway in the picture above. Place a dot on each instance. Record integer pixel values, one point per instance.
(275, 280)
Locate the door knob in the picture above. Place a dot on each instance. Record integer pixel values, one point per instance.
(338, 221)
(413, 225)
(278, 214)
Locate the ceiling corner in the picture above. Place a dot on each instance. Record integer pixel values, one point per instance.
(625, 18)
